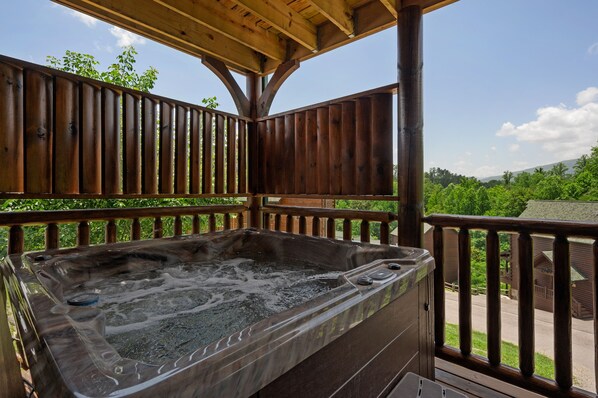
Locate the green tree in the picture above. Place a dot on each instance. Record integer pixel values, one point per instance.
(121, 72)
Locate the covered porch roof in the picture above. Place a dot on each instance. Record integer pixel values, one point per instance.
(251, 36)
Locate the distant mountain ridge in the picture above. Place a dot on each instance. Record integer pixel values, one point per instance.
(569, 163)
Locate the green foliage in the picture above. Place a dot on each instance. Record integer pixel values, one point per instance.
(121, 72)
(210, 102)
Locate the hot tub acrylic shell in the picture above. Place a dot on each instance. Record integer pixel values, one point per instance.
(350, 341)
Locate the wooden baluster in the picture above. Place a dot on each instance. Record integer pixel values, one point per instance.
(240, 221)
(194, 151)
(347, 232)
(207, 138)
(52, 240)
(39, 131)
(212, 222)
(242, 157)
(315, 226)
(131, 143)
(363, 147)
(219, 163)
(302, 225)
(290, 224)
(595, 298)
(180, 151)
(382, 146)
(231, 155)
(196, 224)
(66, 137)
(158, 228)
(135, 229)
(149, 179)
(323, 151)
(16, 243)
(226, 221)
(111, 135)
(335, 148)
(330, 228)
(266, 220)
(348, 143)
(439, 308)
(464, 292)
(110, 231)
(165, 181)
(493, 325)
(562, 313)
(384, 233)
(311, 147)
(91, 138)
(365, 231)
(300, 155)
(289, 154)
(277, 218)
(526, 305)
(83, 233)
(178, 226)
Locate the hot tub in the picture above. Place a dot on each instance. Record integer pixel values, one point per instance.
(224, 314)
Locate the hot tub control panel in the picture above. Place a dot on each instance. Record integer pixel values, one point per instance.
(378, 273)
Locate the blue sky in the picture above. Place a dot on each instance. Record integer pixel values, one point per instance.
(508, 84)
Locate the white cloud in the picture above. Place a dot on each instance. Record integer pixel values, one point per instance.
(593, 49)
(493, 148)
(560, 130)
(587, 96)
(520, 164)
(84, 18)
(486, 171)
(126, 38)
(514, 147)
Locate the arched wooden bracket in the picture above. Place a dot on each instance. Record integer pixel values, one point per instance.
(280, 75)
(239, 97)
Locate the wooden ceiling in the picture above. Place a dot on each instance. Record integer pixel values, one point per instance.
(250, 35)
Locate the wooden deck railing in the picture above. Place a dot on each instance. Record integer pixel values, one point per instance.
(562, 385)
(317, 217)
(68, 136)
(53, 219)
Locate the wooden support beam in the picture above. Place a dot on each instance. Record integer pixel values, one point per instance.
(282, 17)
(280, 75)
(219, 69)
(213, 15)
(338, 12)
(391, 6)
(166, 26)
(410, 125)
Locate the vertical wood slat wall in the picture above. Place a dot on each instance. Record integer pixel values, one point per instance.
(65, 134)
(339, 148)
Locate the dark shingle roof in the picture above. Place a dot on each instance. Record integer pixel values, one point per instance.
(561, 210)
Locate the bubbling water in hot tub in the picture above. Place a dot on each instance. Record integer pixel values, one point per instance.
(162, 314)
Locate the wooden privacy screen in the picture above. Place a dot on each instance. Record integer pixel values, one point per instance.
(62, 134)
(343, 147)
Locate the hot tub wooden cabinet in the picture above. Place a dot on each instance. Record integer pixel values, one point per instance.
(354, 340)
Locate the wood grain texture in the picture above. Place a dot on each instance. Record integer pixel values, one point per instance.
(493, 319)
(563, 352)
(323, 150)
(348, 145)
(207, 140)
(219, 155)
(382, 145)
(66, 138)
(149, 165)
(300, 155)
(131, 144)
(526, 305)
(194, 152)
(111, 134)
(39, 132)
(166, 158)
(12, 154)
(91, 139)
(363, 147)
(231, 155)
(465, 328)
(311, 149)
(242, 157)
(335, 143)
(180, 153)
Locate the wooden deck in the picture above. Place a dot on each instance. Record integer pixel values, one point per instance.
(476, 385)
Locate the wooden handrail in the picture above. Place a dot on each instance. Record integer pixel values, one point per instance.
(368, 215)
(65, 216)
(514, 224)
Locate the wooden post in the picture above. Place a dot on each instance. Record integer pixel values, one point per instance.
(410, 125)
(254, 203)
